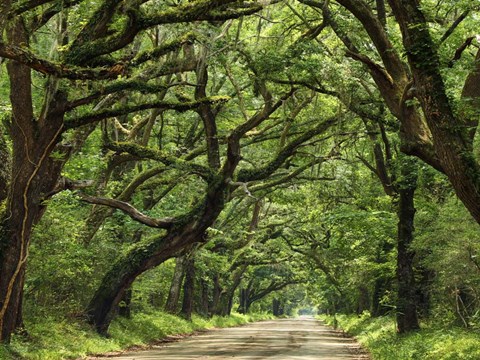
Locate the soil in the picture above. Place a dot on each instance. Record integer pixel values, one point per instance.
(302, 338)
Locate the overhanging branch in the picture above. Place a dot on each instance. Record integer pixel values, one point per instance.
(161, 105)
(131, 211)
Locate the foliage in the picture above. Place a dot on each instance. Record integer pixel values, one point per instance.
(379, 337)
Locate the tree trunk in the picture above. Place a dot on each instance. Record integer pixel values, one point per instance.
(216, 296)
(407, 319)
(224, 303)
(121, 276)
(202, 308)
(148, 255)
(242, 309)
(175, 287)
(36, 175)
(188, 290)
(277, 307)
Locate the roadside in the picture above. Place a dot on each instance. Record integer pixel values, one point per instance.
(60, 338)
(433, 342)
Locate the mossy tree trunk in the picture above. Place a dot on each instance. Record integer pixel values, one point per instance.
(149, 254)
(35, 175)
(407, 319)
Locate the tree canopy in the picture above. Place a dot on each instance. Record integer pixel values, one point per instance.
(217, 156)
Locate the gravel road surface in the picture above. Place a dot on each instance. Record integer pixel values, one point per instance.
(302, 338)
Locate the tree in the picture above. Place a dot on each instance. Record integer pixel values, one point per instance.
(80, 53)
(433, 131)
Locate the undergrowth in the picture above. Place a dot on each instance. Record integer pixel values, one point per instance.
(54, 339)
(432, 342)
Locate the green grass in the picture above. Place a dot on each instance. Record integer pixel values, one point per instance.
(54, 339)
(379, 337)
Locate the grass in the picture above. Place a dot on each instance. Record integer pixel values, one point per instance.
(54, 339)
(379, 337)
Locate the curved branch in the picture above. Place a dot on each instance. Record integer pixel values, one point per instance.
(452, 28)
(131, 211)
(193, 11)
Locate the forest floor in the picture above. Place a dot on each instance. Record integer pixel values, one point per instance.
(301, 338)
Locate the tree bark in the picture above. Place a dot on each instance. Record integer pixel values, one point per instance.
(276, 308)
(407, 319)
(243, 307)
(5, 168)
(188, 290)
(202, 308)
(176, 285)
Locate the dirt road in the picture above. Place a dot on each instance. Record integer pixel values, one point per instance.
(303, 338)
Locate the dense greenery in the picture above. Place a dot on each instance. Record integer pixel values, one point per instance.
(433, 342)
(202, 158)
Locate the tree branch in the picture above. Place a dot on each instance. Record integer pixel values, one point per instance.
(166, 159)
(128, 209)
(161, 105)
(201, 10)
(247, 175)
(459, 51)
(27, 58)
(452, 28)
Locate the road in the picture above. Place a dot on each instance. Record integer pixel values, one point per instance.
(302, 338)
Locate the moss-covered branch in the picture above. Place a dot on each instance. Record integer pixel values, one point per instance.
(201, 10)
(20, 7)
(162, 105)
(118, 86)
(138, 21)
(26, 57)
(166, 159)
